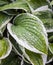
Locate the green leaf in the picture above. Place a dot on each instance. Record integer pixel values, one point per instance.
(29, 32)
(15, 45)
(46, 17)
(51, 47)
(16, 5)
(37, 3)
(35, 59)
(12, 59)
(17, 48)
(4, 19)
(5, 48)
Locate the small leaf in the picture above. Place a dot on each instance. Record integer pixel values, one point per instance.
(4, 19)
(29, 32)
(51, 47)
(5, 48)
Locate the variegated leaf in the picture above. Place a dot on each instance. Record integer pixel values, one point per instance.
(45, 15)
(16, 5)
(51, 47)
(35, 59)
(12, 59)
(29, 32)
(37, 3)
(4, 19)
(5, 48)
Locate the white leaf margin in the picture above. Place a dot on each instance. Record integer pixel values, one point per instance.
(49, 61)
(44, 57)
(7, 21)
(42, 9)
(49, 30)
(8, 51)
(21, 42)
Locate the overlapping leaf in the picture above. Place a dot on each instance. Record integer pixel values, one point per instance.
(5, 48)
(16, 5)
(46, 18)
(12, 59)
(34, 58)
(51, 47)
(15, 45)
(37, 3)
(4, 19)
(17, 48)
(29, 32)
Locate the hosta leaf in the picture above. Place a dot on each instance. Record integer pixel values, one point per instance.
(17, 48)
(15, 45)
(4, 19)
(51, 48)
(34, 58)
(12, 59)
(5, 48)
(36, 3)
(46, 17)
(29, 32)
(16, 5)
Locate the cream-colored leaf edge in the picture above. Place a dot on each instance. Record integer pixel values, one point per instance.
(9, 50)
(3, 25)
(21, 42)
